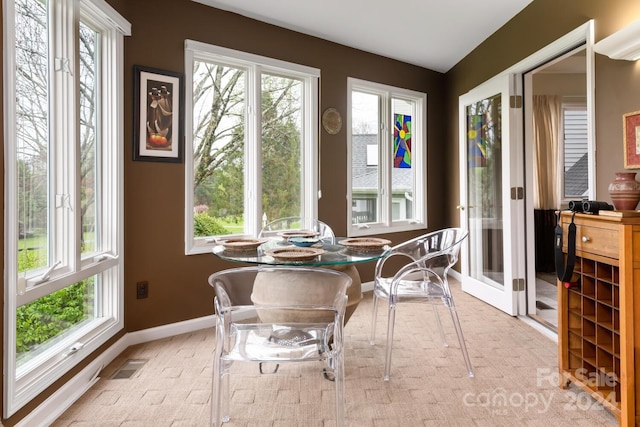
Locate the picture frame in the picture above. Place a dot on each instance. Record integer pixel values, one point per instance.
(631, 132)
(159, 111)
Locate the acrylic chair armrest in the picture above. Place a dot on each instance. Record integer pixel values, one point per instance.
(381, 262)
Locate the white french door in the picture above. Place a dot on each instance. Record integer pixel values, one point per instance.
(491, 193)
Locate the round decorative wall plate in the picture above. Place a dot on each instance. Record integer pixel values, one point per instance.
(331, 121)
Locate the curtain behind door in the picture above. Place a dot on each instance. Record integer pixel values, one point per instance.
(547, 196)
(547, 116)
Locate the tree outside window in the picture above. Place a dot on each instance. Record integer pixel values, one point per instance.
(239, 151)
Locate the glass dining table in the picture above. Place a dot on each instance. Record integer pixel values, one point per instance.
(330, 253)
(334, 253)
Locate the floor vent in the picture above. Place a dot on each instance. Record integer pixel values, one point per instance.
(128, 369)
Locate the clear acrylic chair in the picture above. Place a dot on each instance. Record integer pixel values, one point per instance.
(254, 326)
(296, 223)
(420, 277)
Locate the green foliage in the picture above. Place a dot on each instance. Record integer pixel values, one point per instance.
(205, 225)
(28, 259)
(46, 318)
(49, 316)
(280, 149)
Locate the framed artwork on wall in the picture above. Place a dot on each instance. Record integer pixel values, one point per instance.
(158, 107)
(631, 132)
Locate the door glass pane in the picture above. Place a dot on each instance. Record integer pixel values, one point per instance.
(365, 157)
(219, 106)
(88, 143)
(484, 186)
(402, 173)
(281, 150)
(32, 137)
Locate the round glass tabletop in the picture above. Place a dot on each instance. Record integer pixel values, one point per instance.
(278, 251)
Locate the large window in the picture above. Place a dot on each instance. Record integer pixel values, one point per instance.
(251, 134)
(387, 158)
(63, 163)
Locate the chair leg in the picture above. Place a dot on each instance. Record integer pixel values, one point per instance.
(328, 374)
(338, 374)
(215, 398)
(463, 346)
(219, 394)
(391, 320)
(372, 339)
(226, 394)
(439, 322)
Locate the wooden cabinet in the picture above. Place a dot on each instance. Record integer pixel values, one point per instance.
(598, 326)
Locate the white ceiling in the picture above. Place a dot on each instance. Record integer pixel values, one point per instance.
(434, 34)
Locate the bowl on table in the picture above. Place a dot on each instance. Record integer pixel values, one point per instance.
(304, 242)
(290, 234)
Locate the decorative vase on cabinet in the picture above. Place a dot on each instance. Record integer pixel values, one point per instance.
(625, 191)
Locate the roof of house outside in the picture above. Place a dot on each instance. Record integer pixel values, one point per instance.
(576, 179)
(365, 177)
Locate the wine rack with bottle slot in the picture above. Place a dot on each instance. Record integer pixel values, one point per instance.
(597, 324)
(594, 328)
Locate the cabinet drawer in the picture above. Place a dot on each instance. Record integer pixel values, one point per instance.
(595, 240)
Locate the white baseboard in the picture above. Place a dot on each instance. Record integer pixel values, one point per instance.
(49, 410)
(170, 330)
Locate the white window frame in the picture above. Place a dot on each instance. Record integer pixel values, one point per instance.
(22, 384)
(385, 223)
(254, 65)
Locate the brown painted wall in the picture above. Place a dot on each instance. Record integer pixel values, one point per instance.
(617, 86)
(154, 192)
